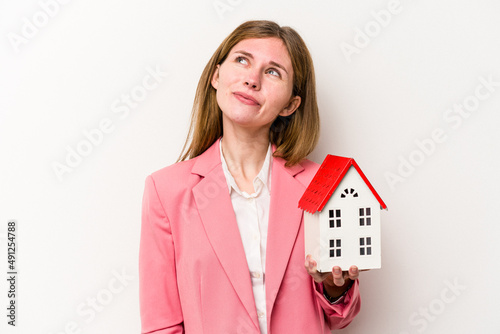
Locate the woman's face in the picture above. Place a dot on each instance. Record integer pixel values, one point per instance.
(254, 83)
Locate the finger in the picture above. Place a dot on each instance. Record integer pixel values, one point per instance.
(338, 277)
(310, 266)
(353, 273)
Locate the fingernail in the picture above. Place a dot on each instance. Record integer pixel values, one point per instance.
(336, 271)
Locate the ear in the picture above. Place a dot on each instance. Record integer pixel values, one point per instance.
(215, 77)
(291, 107)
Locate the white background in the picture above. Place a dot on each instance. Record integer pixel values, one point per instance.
(78, 232)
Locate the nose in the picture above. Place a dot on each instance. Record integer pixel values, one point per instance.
(253, 80)
(251, 84)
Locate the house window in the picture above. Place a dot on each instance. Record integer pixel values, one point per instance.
(347, 192)
(365, 216)
(335, 248)
(365, 246)
(335, 220)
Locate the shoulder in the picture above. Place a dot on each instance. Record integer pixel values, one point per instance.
(172, 181)
(303, 171)
(309, 166)
(175, 172)
(310, 169)
(182, 176)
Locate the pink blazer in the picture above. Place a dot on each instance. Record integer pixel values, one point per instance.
(194, 277)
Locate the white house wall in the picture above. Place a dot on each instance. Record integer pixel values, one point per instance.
(350, 232)
(312, 235)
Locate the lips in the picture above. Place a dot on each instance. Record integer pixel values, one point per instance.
(246, 99)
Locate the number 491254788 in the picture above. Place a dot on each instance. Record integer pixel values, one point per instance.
(11, 244)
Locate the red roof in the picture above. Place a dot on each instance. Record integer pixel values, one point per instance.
(327, 179)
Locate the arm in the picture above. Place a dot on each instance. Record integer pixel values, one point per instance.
(160, 306)
(345, 285)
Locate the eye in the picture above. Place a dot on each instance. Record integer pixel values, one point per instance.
(241, 60)
(274, 72)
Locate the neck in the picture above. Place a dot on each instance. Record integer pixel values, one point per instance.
(244, 152)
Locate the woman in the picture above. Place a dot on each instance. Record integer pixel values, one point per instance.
(222, 239)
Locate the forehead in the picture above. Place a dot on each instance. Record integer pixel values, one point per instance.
(265, 49)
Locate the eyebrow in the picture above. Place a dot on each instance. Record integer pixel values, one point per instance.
(249, 55)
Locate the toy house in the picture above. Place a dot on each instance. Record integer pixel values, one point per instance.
(342, 217)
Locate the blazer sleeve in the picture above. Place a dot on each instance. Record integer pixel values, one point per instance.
(339, 315)
(160, 306)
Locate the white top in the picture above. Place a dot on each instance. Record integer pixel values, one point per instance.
(252, 217)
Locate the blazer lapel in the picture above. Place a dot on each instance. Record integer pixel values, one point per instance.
(217, 215)
(284, 224)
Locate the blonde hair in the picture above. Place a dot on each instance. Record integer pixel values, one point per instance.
(295, 136)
